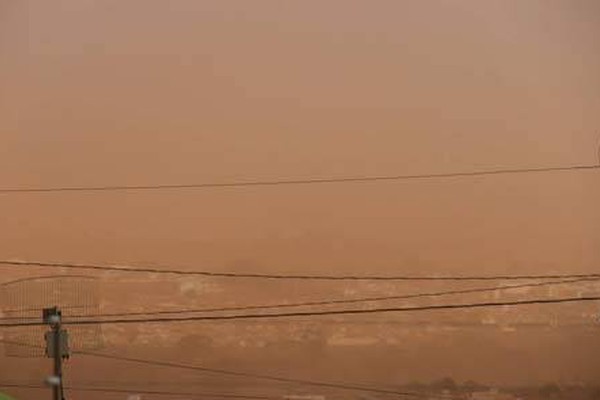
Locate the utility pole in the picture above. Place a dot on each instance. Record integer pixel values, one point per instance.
(57, 348)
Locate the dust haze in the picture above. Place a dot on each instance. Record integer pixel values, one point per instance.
(148, 92)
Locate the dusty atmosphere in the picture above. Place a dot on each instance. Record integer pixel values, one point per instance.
(279, 142)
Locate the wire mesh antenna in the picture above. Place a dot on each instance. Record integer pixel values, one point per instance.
(23, 301)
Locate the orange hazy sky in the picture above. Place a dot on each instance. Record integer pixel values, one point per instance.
(142, 92)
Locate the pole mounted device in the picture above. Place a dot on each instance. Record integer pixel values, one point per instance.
(57, 348)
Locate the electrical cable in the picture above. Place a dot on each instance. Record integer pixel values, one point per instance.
(255, 183)
(139, 391)
(124, 268)
(317, 303)
(316, 313)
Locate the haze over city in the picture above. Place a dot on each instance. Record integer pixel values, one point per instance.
(253, 148)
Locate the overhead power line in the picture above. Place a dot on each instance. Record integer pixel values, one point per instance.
(139, 391)
(169, 271)
(237, 374)
(168, 393)
(217, 395)
(322, 302)
(240, 374)
(348, 301)
(315, 313)
(310, 181)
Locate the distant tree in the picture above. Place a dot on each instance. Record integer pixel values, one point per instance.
(472, 386)
(444, 384)
(550, 391)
